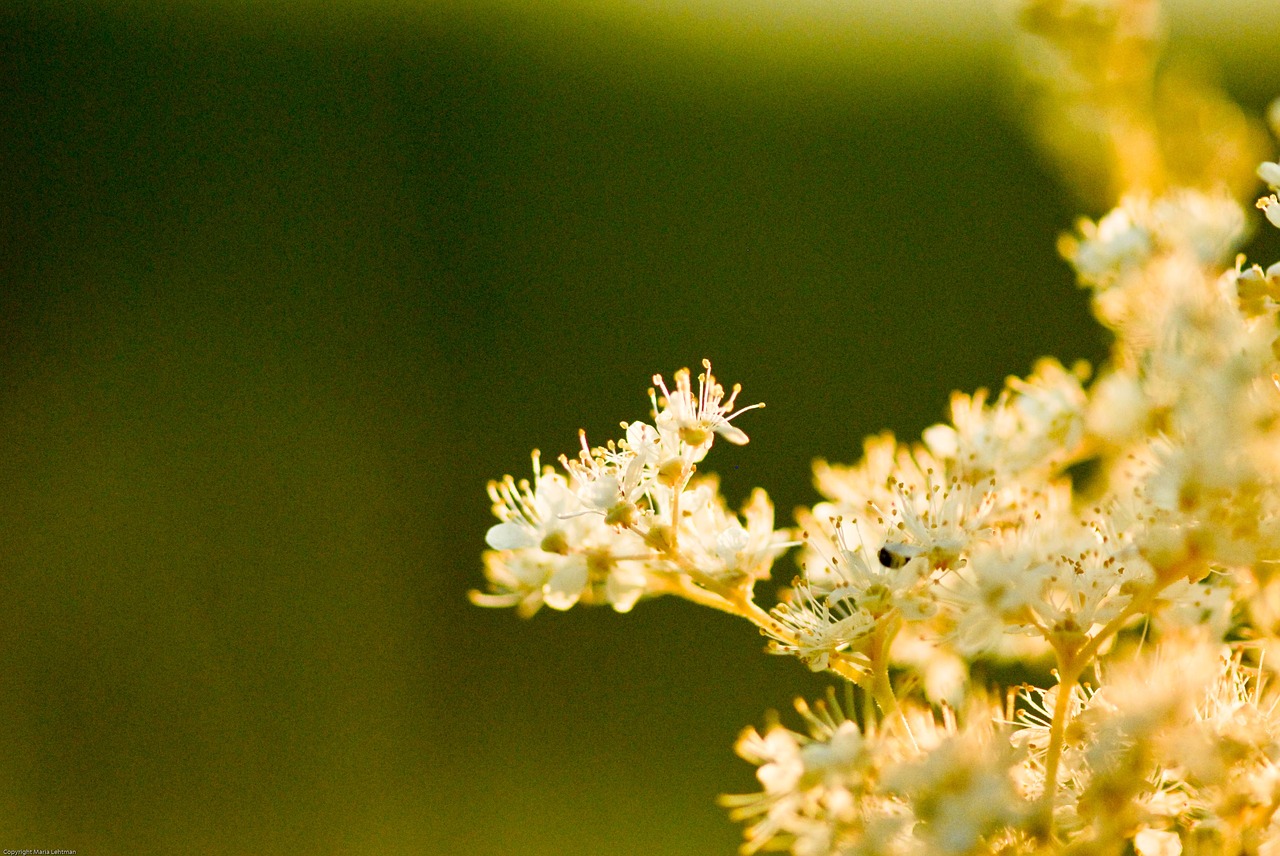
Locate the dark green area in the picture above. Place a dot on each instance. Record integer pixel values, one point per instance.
(281, 293)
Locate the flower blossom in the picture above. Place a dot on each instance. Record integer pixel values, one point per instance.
(695, 420)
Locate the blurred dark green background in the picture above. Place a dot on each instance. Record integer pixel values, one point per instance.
(283, 286)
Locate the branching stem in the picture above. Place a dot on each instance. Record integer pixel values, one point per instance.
(1072, 663)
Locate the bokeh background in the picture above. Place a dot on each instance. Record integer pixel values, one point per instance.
(283, 285)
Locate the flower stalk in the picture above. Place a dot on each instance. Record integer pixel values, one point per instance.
(925, 562)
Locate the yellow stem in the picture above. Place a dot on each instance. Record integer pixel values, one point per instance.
(681, 587)
(881, 686)
(702, 588)
(1072, 663)
(1057, 737)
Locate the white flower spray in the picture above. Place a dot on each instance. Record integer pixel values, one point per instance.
(1148, 591)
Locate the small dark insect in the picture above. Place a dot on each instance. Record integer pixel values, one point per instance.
(894, 556)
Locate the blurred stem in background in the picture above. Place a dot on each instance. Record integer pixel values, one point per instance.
(1117, 120)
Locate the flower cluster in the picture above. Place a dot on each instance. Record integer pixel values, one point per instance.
(838, 789)
(630, 519)
(1111, 535)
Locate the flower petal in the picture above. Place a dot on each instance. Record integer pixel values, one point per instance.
(733, 434)
(509, 536)
(566, 584)
(624, 587)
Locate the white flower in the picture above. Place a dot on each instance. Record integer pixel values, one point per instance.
(718, 542)
(608, 480)
(1210, 227)
(821, 625)
(1199, 605)
(936, 526)
(557, 543)
(962, 790)
(897, 580)
(995, 594)
(778, 754)
(527, 579)
(836, 755)
(871, 481)
(1119, 409)
(565, 582)
(1115, 244)
(694, 420)
(1088, 584)
(1035, 422)
(1126, 533)
(534, 515)
(821, 793)
(626, 584)
(644, 442)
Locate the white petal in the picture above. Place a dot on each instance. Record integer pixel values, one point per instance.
(602, 493)
(730, 542)
(566, 584)
(734, 435)
(1270, 173)
(643, 439)
(945, 679)
(780, 776)
(509, 536)
(530, 570)
(631, 479)
(624, 587)
(1157, 842)
(942, 440)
